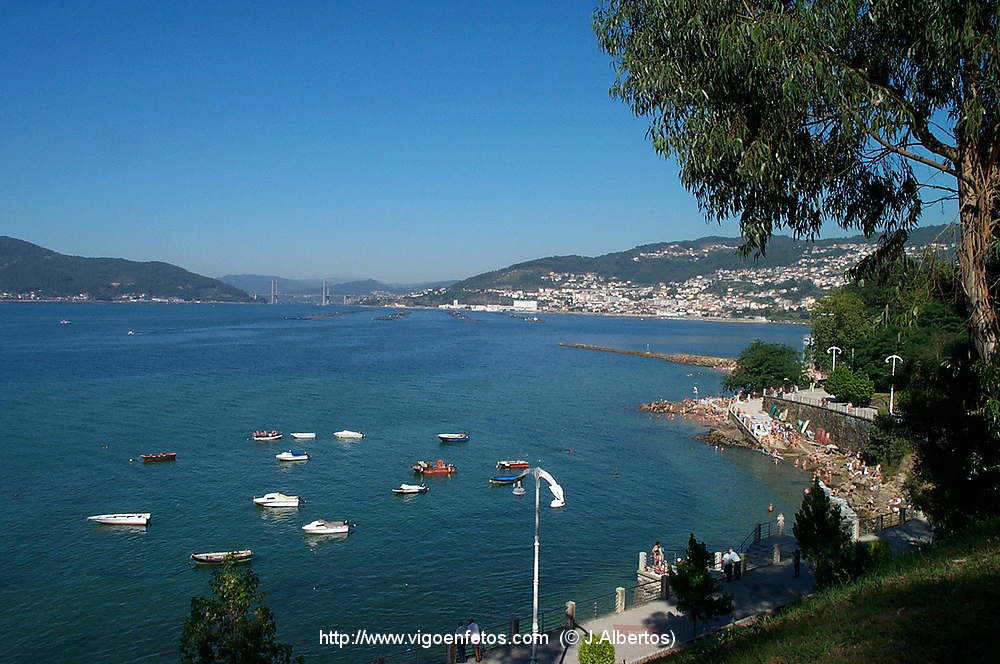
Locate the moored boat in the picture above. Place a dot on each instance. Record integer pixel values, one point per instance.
(324, 527)
(292, 455)
(410, 488)
(266, 436)
(349, 434)
(219, 557)
(276, 499)
(131, 519)
(437, 468)
(513, 464)
(500, 480)
(304, 436)
(453, 437)
(159, 456)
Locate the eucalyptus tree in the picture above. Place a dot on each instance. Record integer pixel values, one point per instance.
(790, 114)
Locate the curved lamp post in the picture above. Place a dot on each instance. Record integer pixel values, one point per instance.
(557, 501)
(833, 350)
(892, 382)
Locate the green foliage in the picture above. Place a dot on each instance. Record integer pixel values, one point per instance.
(695, 587)
(849, 386)
(823, 537)
(234, 626)
(595, 650)
(761, 365)
(840, 319)
(889, 443)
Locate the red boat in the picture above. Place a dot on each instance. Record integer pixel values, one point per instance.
(517, 463)
(439, 468)
(162, 456)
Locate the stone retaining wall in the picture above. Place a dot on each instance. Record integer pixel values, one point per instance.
(848, 431)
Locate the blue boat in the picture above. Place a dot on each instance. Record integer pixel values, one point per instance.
(500, 480)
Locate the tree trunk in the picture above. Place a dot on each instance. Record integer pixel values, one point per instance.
(978, 204)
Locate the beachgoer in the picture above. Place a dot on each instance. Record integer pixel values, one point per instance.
(475, 639)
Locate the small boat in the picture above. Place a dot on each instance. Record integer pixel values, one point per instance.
(323, 527)
(219, 557)
(453, 437)
(349, 434)
(513, 464)
(292, 455)
(65, 322)
(303, 436)
(266, 436)
(410, 488)
(277, 500)
(500, 480)
(134, 519)
(438, 468)
(160, 456)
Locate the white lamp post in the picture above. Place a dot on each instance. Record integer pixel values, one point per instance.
(892, 381)
(557, 501)
(833, 350)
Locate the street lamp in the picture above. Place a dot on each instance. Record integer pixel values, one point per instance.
(833, 350)
(892, 381)
(557, 501)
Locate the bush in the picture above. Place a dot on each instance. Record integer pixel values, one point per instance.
(889, 443)
(595, 650)
(846, 385)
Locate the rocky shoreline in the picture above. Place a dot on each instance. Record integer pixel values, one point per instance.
(726, 364)
(849, 474)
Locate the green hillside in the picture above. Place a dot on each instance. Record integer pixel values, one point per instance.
(934, 605)
(26, 267)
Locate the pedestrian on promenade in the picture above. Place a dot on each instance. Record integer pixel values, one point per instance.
(727, 565)
(461, 636)
(737, 564)
(475, 638)
(657, 558)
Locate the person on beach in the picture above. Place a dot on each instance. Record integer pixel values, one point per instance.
(461, 636)
(475, 639)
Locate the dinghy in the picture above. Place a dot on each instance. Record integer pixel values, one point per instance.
(266, 436)
(501, 480)
(219, 557)
(277, 500)
(134, 519)
(410, 488)
(453, 437)
(349, 434)
(323, 527)
(439, 468)
(303, 436)
(292, 455)
(512, 464)
(160, 456)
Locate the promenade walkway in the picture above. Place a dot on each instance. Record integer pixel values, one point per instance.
(760, 590)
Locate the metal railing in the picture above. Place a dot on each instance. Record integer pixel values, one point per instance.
(874, 524)
(793, 397)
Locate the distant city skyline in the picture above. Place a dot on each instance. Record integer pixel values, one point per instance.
(397, 141)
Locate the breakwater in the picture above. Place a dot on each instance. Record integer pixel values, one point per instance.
(719, 363)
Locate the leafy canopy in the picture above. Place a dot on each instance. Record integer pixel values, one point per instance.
(846, 385)
(234, 626)
(761, 365)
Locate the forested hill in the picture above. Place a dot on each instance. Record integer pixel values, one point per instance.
(28, 268)
(675, 261)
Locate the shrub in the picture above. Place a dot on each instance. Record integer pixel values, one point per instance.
(848, 386)
(594, 650)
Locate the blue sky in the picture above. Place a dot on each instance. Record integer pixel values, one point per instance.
(402, 141)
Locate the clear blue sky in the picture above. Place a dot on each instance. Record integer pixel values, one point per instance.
(404, 141)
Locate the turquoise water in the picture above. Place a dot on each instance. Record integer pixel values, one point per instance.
(80, 401)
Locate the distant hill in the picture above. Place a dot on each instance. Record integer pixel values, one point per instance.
(26, 267)
(660, 262)
(261, 284)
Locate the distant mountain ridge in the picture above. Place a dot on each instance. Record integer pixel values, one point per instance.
(261, 284)
(642, 265)
(27, 267)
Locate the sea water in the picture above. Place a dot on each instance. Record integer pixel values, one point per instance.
(80, 402)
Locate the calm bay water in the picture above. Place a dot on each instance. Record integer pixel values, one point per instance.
(80, 401)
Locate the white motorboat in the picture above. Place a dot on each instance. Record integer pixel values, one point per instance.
(219, 557)
(266, 436)
(135, 519)
(292, 455)
(349, 434)
(323, 527)
(277, 500)
(303, 436)
(453, 437)
(410, 488)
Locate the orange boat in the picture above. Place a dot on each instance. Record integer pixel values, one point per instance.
(439, 468)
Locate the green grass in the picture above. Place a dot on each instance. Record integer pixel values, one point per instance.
(940, 604)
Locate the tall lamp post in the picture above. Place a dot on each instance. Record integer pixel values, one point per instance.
(892, 381)
(833, 350)
(557, 501)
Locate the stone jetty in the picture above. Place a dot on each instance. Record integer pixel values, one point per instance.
(727, 364)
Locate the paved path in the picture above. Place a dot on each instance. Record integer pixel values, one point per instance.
(760, 590)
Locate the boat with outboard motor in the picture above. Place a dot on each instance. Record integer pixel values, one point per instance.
(276, 499)
(512, 464)
(453, 437)
(324, 527)
(501, 480)
(292, 455)
(219, 557)
(159, 456)
(410, 488)
(266, 436)
(348, 434)
(437, 468)
(130, 519)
